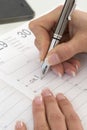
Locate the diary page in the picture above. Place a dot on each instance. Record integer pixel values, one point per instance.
(20, 67)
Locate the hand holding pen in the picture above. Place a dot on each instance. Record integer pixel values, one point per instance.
(60, 28)
(60, 57)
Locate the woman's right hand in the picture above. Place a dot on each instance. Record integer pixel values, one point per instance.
(74, 40)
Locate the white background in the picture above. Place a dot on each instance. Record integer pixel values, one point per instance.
(40, 7)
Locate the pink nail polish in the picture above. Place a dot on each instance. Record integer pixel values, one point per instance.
(57, 73)
(70, 72)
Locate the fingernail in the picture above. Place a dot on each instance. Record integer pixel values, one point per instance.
(46, 92)
(38, 100)
(77, 67)
(60, 97)
(19, 124)
(72, 73)
(57, 73)
(53, 59)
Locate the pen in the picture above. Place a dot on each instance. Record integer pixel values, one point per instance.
(60, 28)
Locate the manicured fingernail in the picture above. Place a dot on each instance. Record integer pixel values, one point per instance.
(73, 73)
(57, 73)
(19, 124)
(70, 72)
(53, 59)
(38, 100)
(46, 92)
(60, 97)
(60, 75)
(77, 67)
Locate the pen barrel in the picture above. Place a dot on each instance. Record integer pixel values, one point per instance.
(64, 16)
(55, 40)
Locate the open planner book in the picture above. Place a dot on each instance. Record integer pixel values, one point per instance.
(20, 68)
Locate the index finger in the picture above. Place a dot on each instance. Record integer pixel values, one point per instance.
(42, 28)
(40, 122)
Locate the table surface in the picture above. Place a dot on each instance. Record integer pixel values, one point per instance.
(40, 7)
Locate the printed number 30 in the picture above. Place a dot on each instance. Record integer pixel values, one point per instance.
(24, 33)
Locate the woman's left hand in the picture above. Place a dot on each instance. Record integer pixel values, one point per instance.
(53, 113)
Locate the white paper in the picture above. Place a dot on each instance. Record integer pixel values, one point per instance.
(20, 67)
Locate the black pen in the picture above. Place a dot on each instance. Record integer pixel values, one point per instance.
(60, 28)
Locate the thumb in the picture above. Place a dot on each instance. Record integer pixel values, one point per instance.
(63, 52)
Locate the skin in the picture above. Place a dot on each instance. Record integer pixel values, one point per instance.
(56, 113)
(62, 57)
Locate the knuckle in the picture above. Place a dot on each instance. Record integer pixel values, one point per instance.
(38, 109)
(65, 102)
(43, 126)
(32, 25)
(56, 117)
(49, 99)
(72, 117)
